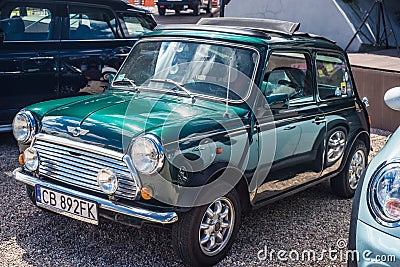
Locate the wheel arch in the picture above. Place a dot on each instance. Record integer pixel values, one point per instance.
(215, 170)
(362, 136)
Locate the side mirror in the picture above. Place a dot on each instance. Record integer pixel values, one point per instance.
(2, 36)
(278, 101)
(111, 78)
(392, 98)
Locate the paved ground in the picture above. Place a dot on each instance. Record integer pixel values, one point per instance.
(314, 219)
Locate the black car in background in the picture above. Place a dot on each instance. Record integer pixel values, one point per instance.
(179, 5)
(51, 49)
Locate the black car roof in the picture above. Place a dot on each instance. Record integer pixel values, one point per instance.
(118, 5)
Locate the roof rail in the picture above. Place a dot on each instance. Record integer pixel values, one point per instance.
(239, 31)
(310, 35)
(265, 25)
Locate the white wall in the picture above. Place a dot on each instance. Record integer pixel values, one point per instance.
(322, 17)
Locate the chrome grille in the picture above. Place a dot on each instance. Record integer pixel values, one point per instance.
(72, 163)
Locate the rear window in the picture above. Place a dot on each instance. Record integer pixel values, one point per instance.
(134, 25)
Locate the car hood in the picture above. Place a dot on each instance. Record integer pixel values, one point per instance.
(112, 119)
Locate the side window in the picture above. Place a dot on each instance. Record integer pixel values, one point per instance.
(91, 23)
(133, 25)
(288, 74)
(332, 77)
(26, 23)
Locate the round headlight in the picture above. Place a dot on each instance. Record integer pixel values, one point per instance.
(147, 154)
(24, 126)
(385, 194)
(31, 159)
(107, 181)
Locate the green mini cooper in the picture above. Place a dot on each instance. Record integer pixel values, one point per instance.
(201, 124)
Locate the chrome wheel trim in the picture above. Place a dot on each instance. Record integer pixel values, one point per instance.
(216, 226)
(336, 144)
(357, 166)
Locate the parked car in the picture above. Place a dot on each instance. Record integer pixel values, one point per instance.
(375, 220)
(51, 49)
(179, 5)
(200, 125)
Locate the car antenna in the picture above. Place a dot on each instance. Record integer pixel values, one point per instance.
(226, 114)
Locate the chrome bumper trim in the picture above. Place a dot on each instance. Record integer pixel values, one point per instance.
(5, 128)
(146, 215)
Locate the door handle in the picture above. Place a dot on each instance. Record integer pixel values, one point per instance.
(319, 120)
(10, 72)
(41, 58)
(122, 55)
(289, 127)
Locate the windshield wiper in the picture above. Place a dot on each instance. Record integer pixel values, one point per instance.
(125, 81)
(180, 86)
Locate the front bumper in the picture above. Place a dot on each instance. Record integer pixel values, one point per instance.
(104, 204)
(376, 248)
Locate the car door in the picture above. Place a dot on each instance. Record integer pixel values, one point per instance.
(337, 101)
(300, 125)
(92, 46)
(28, 55)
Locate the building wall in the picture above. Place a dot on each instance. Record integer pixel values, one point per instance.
(322, 17)
(370, 83)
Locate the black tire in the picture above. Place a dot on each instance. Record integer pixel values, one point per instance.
(340, 185)
(196, 10)
(177, 11)
(185, 234)
(208, 8)
(161, 11)
(30, 191)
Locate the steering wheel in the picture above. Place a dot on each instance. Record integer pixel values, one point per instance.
(288, 83)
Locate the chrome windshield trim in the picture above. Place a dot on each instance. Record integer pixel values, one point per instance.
(232, 44)
(136, 212)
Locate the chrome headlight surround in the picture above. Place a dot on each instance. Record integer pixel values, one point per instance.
(384, 194)
(24, 126)
(147, 154)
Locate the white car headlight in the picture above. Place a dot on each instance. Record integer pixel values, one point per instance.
(31, 159)
(147, 154)
(24, 126)
(384, 195)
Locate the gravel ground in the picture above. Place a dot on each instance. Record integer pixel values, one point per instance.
(311, 220)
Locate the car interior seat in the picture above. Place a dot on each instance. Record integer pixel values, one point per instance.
(15, 29)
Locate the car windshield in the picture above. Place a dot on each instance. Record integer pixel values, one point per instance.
(201, 68)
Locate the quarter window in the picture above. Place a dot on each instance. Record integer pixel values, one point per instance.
(134, 25)
(333, 77)
(91, 23)
(26, 23)
(288, 73)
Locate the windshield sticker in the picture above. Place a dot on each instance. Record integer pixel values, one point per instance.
(120, 77)
(348, 90)
(343, 87)
(346, 76)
